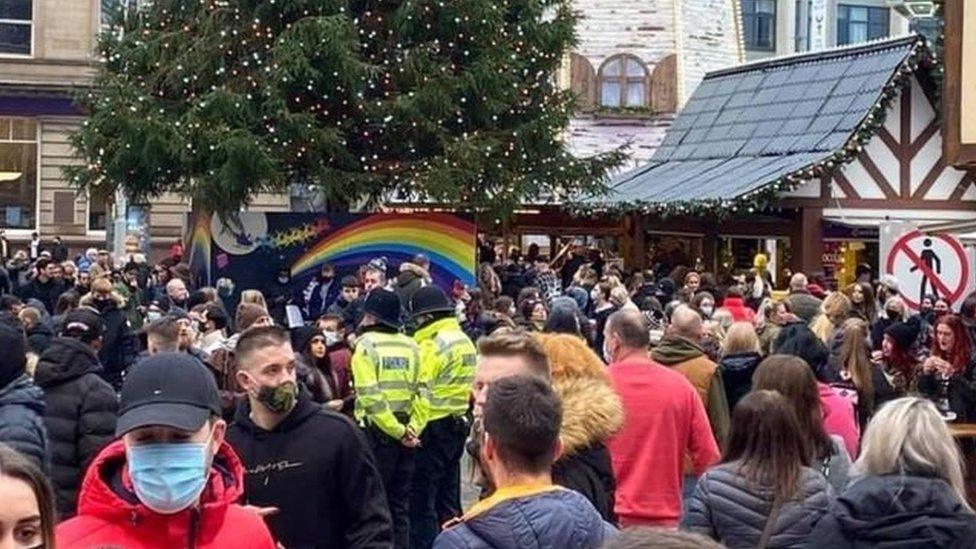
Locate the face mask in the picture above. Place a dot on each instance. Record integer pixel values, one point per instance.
(278, 399)
(607, 354)
(331, 338)
(152, 316)
(594, 295)
(327, 278)
(283, 279)
(708, 310)
(168, 478)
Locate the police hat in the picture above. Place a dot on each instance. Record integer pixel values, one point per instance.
(430, 299)
(385, 306)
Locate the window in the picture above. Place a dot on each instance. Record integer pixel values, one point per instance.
(16, 27)
(860, 23)
(759, 24)
(929, 27)
(623, 82)
(97, 214)
(18, 173)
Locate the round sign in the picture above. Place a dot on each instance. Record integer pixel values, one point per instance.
(242, 232)
(928, 265)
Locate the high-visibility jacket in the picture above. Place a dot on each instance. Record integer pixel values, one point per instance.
(447, 358)
(390, 391)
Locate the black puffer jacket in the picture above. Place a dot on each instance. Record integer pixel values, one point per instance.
(888, 511)
(726, 508)
(80, 414)
(21, 423)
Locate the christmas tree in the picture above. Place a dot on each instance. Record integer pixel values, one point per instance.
(440, 101)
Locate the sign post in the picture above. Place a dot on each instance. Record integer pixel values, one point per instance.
(925, 264)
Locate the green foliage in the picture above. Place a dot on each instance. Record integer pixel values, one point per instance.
(449, 101)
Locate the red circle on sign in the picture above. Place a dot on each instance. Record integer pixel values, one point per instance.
(902, 244)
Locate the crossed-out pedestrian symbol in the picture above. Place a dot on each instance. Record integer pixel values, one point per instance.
(944, 275)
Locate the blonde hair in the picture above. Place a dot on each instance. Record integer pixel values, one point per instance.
(855, 357)
(907, 436)
(740, 338)
(254, 296)
(833, 311)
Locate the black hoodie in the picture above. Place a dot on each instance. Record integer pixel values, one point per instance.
(317, 469)
(79, 417)
(896, 511)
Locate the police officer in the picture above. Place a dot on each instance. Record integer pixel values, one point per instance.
(447, 358)
(392, 401)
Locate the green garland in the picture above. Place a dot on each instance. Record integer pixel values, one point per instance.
(762, 198)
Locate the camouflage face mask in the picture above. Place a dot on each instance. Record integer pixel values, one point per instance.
(280, 398)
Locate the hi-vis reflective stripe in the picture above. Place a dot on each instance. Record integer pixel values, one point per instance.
(445, 379)
(368, 390)
(456, 401)
(395, 385)
(446, 346)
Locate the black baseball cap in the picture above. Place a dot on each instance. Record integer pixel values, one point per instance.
(169, 389)
(83, 323)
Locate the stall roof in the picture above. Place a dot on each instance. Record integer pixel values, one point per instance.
(746, 126)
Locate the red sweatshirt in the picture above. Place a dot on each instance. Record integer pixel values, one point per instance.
(664, 419)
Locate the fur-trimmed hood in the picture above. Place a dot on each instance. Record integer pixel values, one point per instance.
(592, 411)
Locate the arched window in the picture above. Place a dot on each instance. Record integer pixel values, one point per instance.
(623, 82)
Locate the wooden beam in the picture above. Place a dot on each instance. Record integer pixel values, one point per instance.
(875, 204)
(845, 185)
(889, 140)
(904, 159)
(923, 138)
(963, 186)
(877, 176)
(929, 180)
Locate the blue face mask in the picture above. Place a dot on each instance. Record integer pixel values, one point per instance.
(168, 478)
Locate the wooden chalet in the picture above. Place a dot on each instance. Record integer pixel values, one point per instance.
(801, 157)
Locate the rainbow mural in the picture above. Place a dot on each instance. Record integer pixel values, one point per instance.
(197, 245)
(448, 240)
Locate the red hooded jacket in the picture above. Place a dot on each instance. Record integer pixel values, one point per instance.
(740, 312)
(110, 515)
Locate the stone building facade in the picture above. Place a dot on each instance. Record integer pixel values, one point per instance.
(637, 62)
(47, 55)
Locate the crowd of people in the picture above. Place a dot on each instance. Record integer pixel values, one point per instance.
(598, 407)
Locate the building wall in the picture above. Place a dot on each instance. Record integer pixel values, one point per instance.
(788, 36)
(701, 34)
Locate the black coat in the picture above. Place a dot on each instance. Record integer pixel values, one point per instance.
(896, 511)
(589, 472)
(961, 393)
(119, 346)
(21, 419)
(317, 469)
(39, 338)
(45, 292)
(737, 373)
(80, 414)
